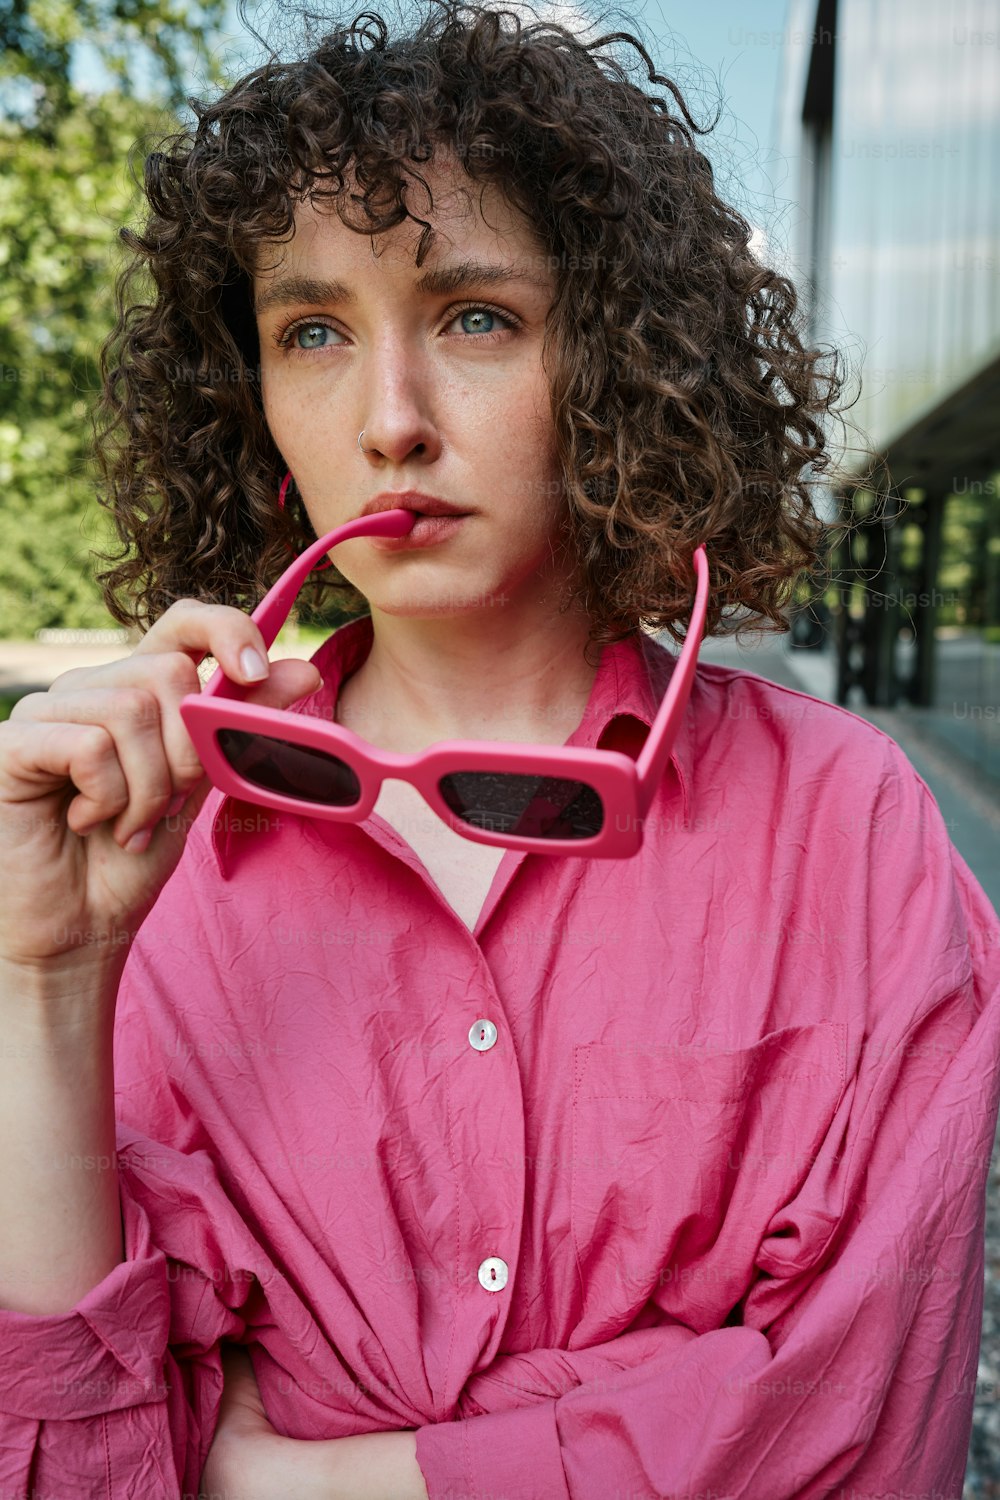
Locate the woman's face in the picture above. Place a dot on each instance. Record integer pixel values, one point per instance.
(446, 381)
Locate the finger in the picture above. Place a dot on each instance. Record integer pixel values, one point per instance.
(131, 717)
(157, 758)
(39, 758)
(290, 679)
(199, 629)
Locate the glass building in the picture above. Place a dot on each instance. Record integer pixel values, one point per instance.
(889, 121)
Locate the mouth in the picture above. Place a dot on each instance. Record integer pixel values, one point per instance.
(436, 515)
(421, 505)
(427, 530)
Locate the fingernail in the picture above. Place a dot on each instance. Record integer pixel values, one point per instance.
(253, 664)
(177, 804)
(139, 842)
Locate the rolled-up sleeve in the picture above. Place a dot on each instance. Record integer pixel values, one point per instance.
(119, 1396)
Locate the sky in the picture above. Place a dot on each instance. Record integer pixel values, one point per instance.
(728, 52)
(718, 51)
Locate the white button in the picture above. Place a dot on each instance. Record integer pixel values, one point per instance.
(493, 1274)
(482, 1035)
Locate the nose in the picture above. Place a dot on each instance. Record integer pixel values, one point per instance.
(397, 410)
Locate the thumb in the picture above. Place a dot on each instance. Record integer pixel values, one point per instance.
(286, 682)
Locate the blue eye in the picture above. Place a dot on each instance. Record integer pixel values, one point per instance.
(305, 335)
(309, 336)
(479, 310)
(476, 312)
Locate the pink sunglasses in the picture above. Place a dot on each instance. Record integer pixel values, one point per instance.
(546, 798)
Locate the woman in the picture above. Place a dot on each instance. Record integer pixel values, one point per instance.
(516, 1175)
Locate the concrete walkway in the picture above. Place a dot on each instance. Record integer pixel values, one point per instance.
(33, 666)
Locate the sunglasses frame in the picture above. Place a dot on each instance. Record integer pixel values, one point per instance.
(625, 786)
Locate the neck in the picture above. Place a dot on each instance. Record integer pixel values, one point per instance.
(479, 675)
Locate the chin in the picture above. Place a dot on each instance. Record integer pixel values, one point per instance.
(435, 608)
(437, 594)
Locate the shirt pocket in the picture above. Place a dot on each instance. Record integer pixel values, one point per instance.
(681, 1156)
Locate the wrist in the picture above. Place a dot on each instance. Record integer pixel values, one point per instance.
(63, 997)
(370, 1466)
(273, 1466)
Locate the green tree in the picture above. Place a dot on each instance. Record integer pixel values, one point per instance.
(65, 188)
(170, 38)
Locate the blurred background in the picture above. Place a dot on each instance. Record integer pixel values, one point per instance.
(860, 139)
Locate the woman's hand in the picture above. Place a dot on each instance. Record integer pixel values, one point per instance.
(242, 1436)
(249, 1460)
(88, 765)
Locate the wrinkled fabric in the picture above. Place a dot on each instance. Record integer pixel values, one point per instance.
(731, 1141)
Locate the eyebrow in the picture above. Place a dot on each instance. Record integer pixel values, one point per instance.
(440, 282)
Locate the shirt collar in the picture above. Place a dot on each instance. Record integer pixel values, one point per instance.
(628, 686)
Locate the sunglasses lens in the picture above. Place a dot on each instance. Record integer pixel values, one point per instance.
(536, 807)
(293, 770)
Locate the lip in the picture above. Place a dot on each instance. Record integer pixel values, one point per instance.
(425, 505)
(428, 531)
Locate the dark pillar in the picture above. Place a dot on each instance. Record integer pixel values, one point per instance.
(920, 688)
(866, 642)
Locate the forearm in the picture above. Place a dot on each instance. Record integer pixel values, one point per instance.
(60, 1215)
(249, 1460)
(373, 1466)
(382, 1466)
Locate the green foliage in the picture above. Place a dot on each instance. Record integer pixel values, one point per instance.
(61, 203)
(65, 189)
(969, 573)
(170, 38)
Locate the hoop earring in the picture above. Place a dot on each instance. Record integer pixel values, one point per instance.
(281, 505)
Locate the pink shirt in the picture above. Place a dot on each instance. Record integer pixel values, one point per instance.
(668, 1179)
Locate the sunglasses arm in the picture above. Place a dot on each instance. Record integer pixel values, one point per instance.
(276, 605)
(274, 609)
(652, 760)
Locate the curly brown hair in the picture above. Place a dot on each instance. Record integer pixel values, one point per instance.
(686, 409)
